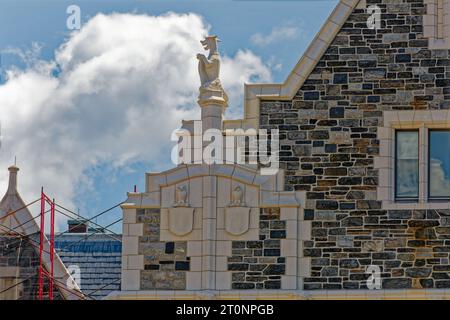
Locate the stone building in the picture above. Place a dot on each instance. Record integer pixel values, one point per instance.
(86, 257)
(19, 253)
(363, 194)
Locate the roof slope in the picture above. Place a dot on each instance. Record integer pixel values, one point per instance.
(98, 257)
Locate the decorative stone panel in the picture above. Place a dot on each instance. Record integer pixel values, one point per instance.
(198, 213)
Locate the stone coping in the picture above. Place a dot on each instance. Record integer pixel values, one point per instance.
(384, 294)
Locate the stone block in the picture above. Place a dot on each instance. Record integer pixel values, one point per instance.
(345, 241)
(348, 263)
(372, 246)
(396, 283)
(338, 137)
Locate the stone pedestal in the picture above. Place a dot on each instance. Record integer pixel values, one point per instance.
(213, 103)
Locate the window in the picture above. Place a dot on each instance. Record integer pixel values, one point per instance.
(439, 164)
(407, 165)
(414, 161)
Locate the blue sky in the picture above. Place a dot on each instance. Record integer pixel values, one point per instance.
(242, 25)
(43, 21)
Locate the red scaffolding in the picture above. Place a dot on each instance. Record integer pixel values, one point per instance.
(45, 200)
(47, 246)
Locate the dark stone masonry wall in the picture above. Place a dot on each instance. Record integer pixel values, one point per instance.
(328, 140)
(165, 263)
(258, 264)
(17, 252)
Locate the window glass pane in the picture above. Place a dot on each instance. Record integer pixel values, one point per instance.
(407, 164)
(439, 162)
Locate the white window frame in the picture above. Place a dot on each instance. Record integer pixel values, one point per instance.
(396, 131)
(421, 120)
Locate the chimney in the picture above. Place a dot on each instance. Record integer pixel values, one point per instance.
(77, 226)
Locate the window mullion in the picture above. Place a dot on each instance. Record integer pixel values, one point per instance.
(423, 168)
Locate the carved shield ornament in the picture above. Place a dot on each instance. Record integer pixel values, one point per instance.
(181, 220)
(237, 220)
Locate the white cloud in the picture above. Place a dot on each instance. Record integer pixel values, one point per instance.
(125, 82)
(277, 34)
(244, 67)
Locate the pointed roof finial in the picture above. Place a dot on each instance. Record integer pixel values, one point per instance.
(12, 186)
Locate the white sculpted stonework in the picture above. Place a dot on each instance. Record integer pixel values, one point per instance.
(181, 217)
(237, 220)
(209, 70)
(181, 197)
(237, 215)
(181, 220)
(209, 206)
(237, 197)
